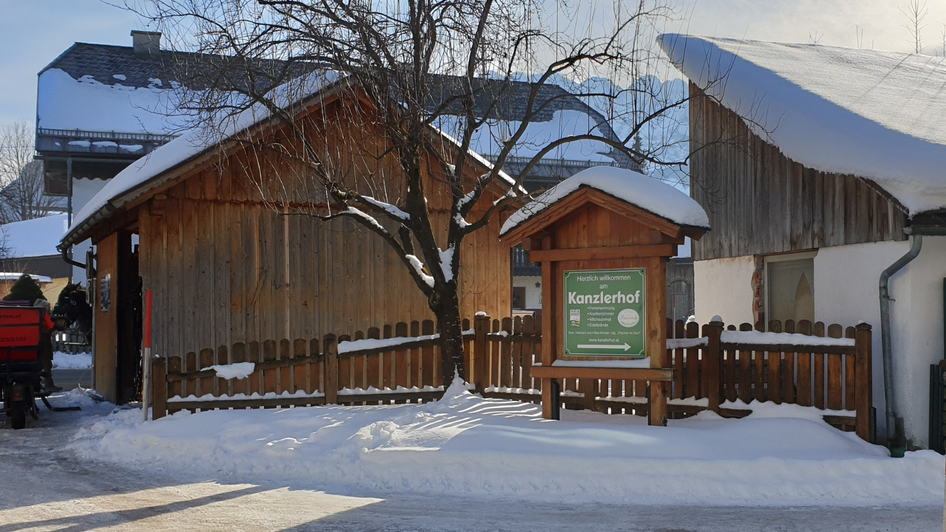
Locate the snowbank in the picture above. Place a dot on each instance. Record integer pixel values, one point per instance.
(69, 361)
(466, 445)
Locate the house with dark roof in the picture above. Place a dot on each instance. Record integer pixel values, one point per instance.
(821, 170)
(100, 107)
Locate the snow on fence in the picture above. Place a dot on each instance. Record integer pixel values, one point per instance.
(718, 370)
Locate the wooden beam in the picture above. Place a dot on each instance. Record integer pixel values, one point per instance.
(587, 372)
(620, 252)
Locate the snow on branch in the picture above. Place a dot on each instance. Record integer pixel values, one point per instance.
(387, 207)
(419, 269)
(470, 196)
(446, 263)
(370, 220)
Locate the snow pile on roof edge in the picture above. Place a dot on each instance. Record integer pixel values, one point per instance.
(635, 188)
(780, 92)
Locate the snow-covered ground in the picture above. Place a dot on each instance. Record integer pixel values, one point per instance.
(465, 445)
(72, 361)
(461, 464)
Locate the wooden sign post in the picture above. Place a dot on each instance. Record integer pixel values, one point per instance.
(604, 289)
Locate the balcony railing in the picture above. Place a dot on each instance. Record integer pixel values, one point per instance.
(521, 266)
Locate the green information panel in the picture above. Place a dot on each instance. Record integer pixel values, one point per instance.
(604, 313)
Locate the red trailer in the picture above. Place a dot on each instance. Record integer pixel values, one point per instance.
(19, 361)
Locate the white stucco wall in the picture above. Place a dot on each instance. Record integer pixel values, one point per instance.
(917, 340)
(723, 287)
(847, 292)
(533, 293)
(82, 192)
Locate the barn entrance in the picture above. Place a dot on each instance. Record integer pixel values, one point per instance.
(117, 305)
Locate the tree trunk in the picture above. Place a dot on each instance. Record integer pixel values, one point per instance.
(451, 337)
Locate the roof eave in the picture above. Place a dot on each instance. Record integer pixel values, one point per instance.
(78, 234)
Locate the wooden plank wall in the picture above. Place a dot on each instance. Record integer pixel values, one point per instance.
(274, 276)
(106, 323)
(227, 268)
(760, 202)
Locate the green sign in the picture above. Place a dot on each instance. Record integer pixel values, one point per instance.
(604, 313)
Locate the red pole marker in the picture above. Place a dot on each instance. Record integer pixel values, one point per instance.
(147, 319)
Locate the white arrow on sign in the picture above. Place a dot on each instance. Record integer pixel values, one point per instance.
(624, 347)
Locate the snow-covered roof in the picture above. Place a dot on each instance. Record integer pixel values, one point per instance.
(189, 145)
(874, 114)
(635, 188)
(104, 88)
(488, 139)
(34, 238)
(195, 142)
(83, 103)
(554, 113)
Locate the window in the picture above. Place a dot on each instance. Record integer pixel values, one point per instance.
(518, 297)
(790, 287)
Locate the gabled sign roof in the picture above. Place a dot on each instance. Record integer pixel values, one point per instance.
(634, 195)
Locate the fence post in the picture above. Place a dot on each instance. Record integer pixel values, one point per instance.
(480, 364)
(331, 369)
(159, 387)
(712, 360)
(862, 372)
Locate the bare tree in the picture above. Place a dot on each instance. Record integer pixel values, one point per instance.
(24, 198)
(916, 11)
(21, 178)
(412, 67)
(16, 150)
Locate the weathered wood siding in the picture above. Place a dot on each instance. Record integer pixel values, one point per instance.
(106, 323)
(760, 202)
(226, 267)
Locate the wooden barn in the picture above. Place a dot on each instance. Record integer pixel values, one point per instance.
(225, 238)
(821, 171)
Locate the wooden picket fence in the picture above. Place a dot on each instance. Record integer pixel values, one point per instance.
(711, 371)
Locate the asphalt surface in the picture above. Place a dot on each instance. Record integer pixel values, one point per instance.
(46, 487)
(72, 378)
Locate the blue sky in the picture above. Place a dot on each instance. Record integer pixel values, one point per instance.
(34, 32)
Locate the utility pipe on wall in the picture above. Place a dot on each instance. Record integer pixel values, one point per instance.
(891, 414)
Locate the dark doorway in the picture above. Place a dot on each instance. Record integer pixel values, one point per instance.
(128, 316)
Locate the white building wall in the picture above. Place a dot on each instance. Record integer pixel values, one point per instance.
(847, 280)
(83, 190)
(917, 339)
(846, 289)
(533, 292)
(723, 287)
